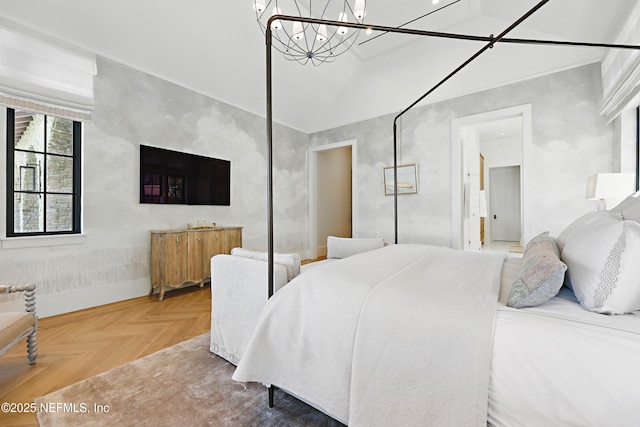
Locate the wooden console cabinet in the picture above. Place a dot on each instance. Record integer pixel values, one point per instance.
(183, 257)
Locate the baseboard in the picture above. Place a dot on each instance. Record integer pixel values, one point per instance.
(52, 305)
(322, 251)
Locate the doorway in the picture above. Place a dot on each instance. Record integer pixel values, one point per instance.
(503, 150)
(332, 194)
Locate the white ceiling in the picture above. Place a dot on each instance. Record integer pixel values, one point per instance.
(215, 47)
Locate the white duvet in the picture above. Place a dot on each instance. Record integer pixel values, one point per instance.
(396, 336)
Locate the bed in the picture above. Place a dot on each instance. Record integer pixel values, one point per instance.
(422, 335)
(429, 336)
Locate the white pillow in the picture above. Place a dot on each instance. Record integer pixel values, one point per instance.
(342, 247)
(290, 261)
(602, 254)
(629, 201)
(629, 208)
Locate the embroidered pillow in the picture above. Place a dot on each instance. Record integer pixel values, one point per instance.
(342, 247)
(541, 273)
(602, 254)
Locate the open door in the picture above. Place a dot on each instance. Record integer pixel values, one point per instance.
(505, 216)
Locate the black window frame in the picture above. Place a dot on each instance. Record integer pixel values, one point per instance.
(76, 185)
(638, 148)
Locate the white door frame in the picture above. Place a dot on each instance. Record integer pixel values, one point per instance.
(313, 191)
(456, 168)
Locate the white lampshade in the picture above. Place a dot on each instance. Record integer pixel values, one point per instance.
(358, 9)
(258, 6)
(322, 33)
(343, 18)
(277, 24)
(298, 31)
(609, 186)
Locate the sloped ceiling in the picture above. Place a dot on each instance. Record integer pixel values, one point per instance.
(216, 48)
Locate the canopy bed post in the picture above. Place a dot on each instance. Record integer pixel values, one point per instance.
(268, 39)
(395, 179)
(270, 163)
(637, 148)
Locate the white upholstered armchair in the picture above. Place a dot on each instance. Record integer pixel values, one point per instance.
(15, 326)
(239, 289)
(238, 294)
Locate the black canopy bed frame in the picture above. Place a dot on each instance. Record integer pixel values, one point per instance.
(489, 41)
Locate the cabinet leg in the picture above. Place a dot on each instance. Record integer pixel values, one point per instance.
(161, 294)
(151, 291)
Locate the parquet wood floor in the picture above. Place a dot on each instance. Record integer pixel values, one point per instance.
(78, 345)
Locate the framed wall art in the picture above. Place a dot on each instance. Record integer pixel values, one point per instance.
(407, 179)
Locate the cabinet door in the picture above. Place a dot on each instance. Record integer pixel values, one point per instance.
(214, 245)
(175, 259)
(231, 238)
(197, 248)
(215, 240)
(220, 242)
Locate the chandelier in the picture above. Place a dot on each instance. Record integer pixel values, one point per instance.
(304, 42)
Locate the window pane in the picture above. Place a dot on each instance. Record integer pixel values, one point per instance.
(28, 213)
(59, 174)
(27, 172)
(152, 187)
(59, 136)
(29, 131)
(59, 212)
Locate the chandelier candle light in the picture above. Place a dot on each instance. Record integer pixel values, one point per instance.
(304, 42)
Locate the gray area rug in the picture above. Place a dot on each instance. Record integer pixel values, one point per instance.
(181, 385)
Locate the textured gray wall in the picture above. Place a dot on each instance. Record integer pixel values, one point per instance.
(133, 108)
(570, 142)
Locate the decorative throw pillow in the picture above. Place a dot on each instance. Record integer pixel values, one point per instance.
(541, 273)
(290, 261)
(602, 254)
(342, 247)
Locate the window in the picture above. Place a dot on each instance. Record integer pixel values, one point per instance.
(43, 186)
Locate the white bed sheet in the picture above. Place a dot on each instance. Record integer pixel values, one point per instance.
(559, 365)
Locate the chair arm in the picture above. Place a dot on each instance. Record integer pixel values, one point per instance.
(238, 295)
(29, 295)
(30, 307)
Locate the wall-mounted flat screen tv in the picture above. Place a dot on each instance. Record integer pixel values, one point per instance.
(173, 177)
